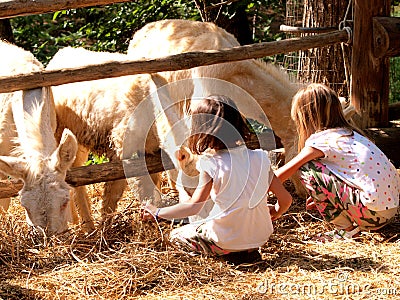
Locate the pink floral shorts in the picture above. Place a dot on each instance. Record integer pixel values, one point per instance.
(337, 202)
(190, 238)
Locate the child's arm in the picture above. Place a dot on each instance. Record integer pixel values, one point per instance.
(183, 194)
(283, 196)
(188, 208)
(306, 154)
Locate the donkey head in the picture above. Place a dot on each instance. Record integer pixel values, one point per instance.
(45, 194)
(40, 162)
(37, 159)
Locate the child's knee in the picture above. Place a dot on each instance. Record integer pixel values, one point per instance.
(342, 221)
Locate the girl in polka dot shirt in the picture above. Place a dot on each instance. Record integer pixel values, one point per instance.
(349, 179)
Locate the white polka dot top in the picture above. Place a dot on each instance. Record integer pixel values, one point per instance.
(360, 163)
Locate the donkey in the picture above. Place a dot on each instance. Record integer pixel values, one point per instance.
(28, 147)
(100, 112)
(266, 83)
(270, 86)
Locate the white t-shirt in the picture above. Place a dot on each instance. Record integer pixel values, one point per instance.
(361, 164)
(240, 217)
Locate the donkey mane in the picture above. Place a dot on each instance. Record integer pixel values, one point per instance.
(274, 71)
(29, 145)
(29, 149)
(33, 148)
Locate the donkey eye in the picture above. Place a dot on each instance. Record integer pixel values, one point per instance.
(65, 203)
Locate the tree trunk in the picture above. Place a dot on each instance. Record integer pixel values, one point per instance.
(6, 30)
(370, 74)
(326, 65)
(236, 23)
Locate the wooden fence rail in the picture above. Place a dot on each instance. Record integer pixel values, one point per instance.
(126, 168)
(100, 173)
(13, 8)
(169, 63)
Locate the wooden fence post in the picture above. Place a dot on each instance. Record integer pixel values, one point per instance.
(370, 75)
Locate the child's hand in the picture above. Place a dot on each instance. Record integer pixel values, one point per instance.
(274, 212)
(149, 211)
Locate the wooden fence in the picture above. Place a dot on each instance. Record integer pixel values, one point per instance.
(115, 170)
(170, 63)
(13, 8)
(386, 28)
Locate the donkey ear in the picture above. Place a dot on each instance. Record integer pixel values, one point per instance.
(65, 153)
(13, 166)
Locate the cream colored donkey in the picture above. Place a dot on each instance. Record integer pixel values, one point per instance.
(99, 112)
(29, 149)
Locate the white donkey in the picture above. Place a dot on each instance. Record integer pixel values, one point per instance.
(269, 85)
(266, 83)
(29, 149)
(98, 112)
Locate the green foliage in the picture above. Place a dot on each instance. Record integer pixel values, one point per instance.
(261, 14)
(110, 27)
(95, 159)
(265, 15)
(396, 9)
(394, 91)
(105, 28)
(257, 127)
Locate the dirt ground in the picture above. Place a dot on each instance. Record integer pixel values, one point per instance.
(126, 258)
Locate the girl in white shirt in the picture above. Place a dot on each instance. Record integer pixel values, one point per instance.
(235, 178)
(350, 180)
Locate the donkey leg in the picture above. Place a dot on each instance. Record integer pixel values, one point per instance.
(74, 217)
(79, 196)
(113, 191)
(172, 176)
(156, 178)
(149, 188)
(4, 202)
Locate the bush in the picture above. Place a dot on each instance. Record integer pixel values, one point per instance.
(104, 28)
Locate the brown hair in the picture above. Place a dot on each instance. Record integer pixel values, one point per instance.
(216, 124)
(315, 108)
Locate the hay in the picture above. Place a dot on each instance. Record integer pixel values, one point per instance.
(126, 258)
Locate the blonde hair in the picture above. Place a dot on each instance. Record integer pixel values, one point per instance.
(315, 108)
